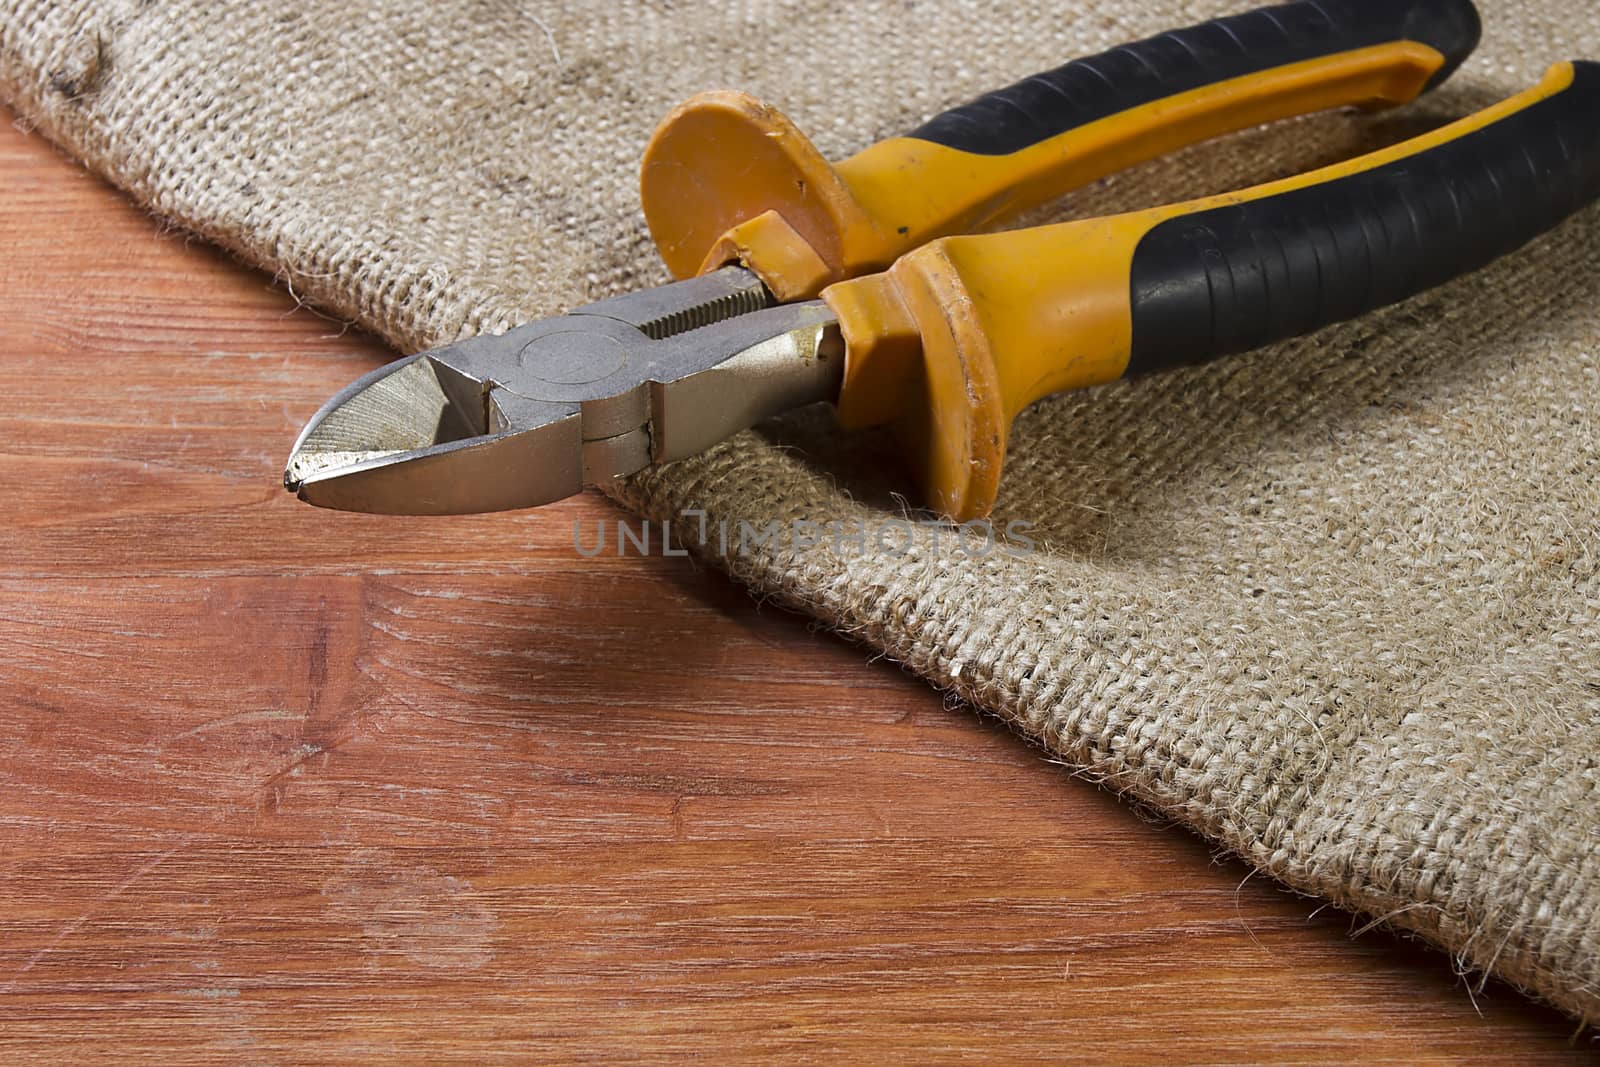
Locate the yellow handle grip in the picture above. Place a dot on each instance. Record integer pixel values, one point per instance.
(922, 190)
(959, 336)
(726, 179)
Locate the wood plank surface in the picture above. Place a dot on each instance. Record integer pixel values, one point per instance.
(279, 785)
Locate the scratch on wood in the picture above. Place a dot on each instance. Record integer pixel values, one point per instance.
(244, 718)
(73, 925)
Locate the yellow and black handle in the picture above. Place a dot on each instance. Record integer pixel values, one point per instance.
(960, 335)
(727, 179)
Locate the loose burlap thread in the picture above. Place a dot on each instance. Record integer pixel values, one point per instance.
(1334, 604)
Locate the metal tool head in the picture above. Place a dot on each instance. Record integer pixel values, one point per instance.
(535, 414)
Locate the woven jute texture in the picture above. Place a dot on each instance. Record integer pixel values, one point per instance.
(1335, 604)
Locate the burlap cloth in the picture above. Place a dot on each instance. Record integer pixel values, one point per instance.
(1335, 605)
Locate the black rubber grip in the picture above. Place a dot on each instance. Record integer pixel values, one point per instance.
(1098, 87)
(1234, 278)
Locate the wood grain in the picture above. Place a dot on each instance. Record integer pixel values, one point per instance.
(280, 785)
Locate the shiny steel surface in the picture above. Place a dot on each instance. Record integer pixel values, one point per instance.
(537, 413)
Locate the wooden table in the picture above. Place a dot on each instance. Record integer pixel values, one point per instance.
(278, 784)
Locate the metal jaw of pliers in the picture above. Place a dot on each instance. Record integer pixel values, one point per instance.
(535, 414)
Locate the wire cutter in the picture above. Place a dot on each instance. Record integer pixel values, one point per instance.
(860, 284)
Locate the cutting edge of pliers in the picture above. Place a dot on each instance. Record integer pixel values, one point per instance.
(514, 420)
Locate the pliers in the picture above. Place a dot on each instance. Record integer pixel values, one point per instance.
(860, 285)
